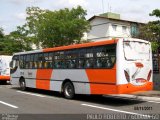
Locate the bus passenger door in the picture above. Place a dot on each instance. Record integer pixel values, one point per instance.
(14, 70)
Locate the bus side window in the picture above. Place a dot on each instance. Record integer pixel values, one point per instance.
(31, 61)
(27, 62)
(108, 63)
(57, 64)
(99, 63)
(81, 63)
(81, 60)
(62, 63)
(25, 58)
(71, 59)
(87, 64)
(40, 61)
(15, 62)
(105, 56)
(21, 61)
(72, 64)
(35, 65)
(45, 62)
(59, 61)
(89, 61)
(50, 59)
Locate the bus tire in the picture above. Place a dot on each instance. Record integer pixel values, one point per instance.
(22, 84)
(68, 90)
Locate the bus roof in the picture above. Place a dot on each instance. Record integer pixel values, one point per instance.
(136, 40)
(83, 45)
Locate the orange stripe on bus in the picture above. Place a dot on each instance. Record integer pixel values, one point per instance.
(119, 89)
(102, 76)
(43, 77)
(103, 89)
(4, 77)
(129, 88)
(90, 44)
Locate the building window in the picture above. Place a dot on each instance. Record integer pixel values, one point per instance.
(134, 30)
(124, 29)
(114, 27)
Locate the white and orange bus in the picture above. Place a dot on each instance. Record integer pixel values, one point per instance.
(105, 67)
(4, 68)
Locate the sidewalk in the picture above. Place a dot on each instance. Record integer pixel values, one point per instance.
(152, 93)
(144, 96)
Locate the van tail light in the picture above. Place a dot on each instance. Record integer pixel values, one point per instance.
(149, 75)
(127, 75)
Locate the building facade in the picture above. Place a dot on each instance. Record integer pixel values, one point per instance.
(109, 25)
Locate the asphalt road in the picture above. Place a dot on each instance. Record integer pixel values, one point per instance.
(30, 102)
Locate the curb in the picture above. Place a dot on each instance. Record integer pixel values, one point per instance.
(135, 97)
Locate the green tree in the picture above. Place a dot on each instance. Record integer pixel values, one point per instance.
(18, 36)
(1, 40)
(155, 12)
(55, 28)
(151, 31)
(14, 42)
(11, 46)
(1, 33)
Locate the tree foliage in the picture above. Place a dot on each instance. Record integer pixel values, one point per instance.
(151, 31)
(1, 33)
(46, 28)
(1, 39)
(14, 42)
(55, 28)
(155, 12)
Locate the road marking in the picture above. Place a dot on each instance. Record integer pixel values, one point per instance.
(30, 94)
(52, 97)
(13, 106)
(115, 110)
(133, 99)
(38, 95)
(152, 101)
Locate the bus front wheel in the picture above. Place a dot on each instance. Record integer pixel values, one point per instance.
(22, 84)
(68, 90)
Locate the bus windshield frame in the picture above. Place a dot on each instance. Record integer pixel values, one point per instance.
(137, 53)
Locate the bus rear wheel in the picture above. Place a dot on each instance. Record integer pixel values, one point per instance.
(68, 90)
(22, 84)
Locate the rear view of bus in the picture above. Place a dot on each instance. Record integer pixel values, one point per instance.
(103, 67)
(134, 66)
(4, 68)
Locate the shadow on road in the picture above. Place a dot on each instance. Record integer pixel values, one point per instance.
(4, 83)
(112, 101)
(95, 99)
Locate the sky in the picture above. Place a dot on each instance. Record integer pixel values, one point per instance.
(13, 12)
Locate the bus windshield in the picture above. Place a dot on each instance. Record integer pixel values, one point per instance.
(134, 50)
